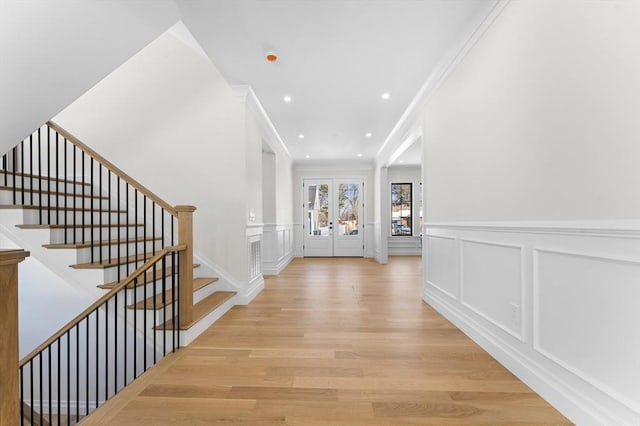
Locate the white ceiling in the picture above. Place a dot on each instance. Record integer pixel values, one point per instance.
(336, 58)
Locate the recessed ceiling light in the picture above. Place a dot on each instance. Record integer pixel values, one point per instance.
(368, 135)
(307, 156)
(359, 155)
(400, 161)
(300, 136)
(287, 99)
(385, 95)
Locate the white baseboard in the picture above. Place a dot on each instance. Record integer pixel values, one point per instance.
(251, 292)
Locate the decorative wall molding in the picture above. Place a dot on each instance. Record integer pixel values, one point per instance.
(408, 127)
(245, 94)
(277, 248)
(579, 306)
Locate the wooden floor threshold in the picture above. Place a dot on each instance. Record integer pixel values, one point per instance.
(157, 301)
(202, 309)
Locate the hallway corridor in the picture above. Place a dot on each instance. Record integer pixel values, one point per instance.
(331, 342)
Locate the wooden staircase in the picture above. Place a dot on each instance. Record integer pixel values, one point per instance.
(132, 240)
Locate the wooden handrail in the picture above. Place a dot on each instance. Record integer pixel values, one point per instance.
(128, 280)
(134, 183)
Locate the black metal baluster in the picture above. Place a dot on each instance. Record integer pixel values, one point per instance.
(125, 342)
(106, 350)
(135, 214)
(91, 213)
(68, 378)
(126, 193)
(155, 290)
(135, 330)
(119, 230)
(22, 395)
(86, 365)
(41, 386)
(57, 184)
(48, 175)
(39, 177)
(75, 195)
(66, 212)
(115, 343)
(15, 160)
(31, 168)
(100, 209)
(97, 356)
(109, 208)
(77, 372)
(164, 304)
(144, 306)
(176, 293)
(22, 169)
(4, 168)
(31, 391)
(49, 382)
(59, 381)
(83, 198)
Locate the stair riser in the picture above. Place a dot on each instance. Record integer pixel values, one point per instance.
(58, 217)
(84, 254)
(57, 235)
(139, 294)
(111, 273)
(44, 184)
(44, 200)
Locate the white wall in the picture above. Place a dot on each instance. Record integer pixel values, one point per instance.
(52, 52)
(168, 119)
(531, 177)
(539, 122)
(406, 245)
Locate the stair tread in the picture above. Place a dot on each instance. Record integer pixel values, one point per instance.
(198, 283)
(55, 208)
(30, 175)
(77, 225)
(141, 257)
(202, 309)
(49, 192)
(99, 243)
(148, 278)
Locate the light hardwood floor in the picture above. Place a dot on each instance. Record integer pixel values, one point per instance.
(331, 342)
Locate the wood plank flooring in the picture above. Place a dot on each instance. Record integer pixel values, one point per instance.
(331, 342)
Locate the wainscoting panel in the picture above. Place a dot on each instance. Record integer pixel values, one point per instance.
(442, 273)
(568, 292)
(577, 301)
(492, 283)
(277, 246)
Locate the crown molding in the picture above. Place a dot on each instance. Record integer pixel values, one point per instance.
(245, 94)
(409, 123)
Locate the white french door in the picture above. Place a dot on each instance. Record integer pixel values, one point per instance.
(333, 214)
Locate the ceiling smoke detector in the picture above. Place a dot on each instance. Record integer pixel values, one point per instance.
(271, 56)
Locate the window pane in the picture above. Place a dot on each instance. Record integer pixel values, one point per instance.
(348, 194)
(401, 209)
(318, 210)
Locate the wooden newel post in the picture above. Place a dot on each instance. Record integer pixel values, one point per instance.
(185, 236)
(9, 352)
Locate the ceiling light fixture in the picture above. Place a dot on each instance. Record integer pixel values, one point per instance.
(385, 96)
(300, 136)
(400, 161)
(307, 156)
(287, 99)
(368, 135)
(271, 56)
(359, 155)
